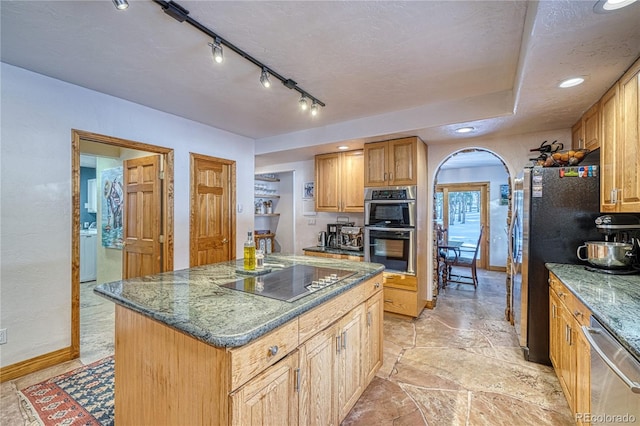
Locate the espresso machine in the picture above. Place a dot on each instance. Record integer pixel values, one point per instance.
(619, 253)
(334, 231)
(351, 238)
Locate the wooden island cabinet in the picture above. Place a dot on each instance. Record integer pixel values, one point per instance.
(309, 370)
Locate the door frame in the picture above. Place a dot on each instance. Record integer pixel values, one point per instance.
(167, 213)
(483, 187)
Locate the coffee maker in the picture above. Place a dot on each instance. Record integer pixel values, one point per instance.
(351, 238)
(334, 234)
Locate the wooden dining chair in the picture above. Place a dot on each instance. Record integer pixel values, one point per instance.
(462, 257)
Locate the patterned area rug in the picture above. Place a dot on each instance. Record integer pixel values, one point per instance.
(83, 396)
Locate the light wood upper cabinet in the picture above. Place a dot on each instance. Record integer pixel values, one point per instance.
(339, 182)
(577, 135)
(609, 117)
(628, 147)
(591, 126)
(620, 145)
(391, 163)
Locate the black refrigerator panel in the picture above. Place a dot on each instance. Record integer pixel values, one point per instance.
(561, 216)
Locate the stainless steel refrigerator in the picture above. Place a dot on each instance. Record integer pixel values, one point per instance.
(553, 215)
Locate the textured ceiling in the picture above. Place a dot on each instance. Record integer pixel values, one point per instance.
(425, 67)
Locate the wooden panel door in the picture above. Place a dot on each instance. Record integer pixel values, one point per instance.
(375, 168)
(350, 380)
(269, 399)
(142, 251)
(402, 162)
(609, 127)
(372, 343)
(583, 375)
(318, 400)
(327, 197)
(352, 182)
(629, 143)
(212, 210)
(555, 330)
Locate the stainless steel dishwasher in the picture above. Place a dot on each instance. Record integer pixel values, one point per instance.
(615, 380)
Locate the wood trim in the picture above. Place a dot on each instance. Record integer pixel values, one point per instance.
(167, 212)
(497, 268)
(50, 359)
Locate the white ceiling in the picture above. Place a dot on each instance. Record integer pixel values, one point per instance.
(426, 67)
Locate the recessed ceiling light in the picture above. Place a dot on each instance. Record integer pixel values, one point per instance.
(605, 6)
(465, 130)
(343, 147)
(570, 82)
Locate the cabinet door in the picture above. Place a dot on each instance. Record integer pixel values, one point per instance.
(318, 400)
(350, 382)
(577, 138)
(327, 196)
(269, 399)
(583, 375)
(628, 152)
(375, 169)
(568, 356)
(352, 182)
(609, 113)
(555, 329)
(401, 163)
(372, 343)
(591, 125)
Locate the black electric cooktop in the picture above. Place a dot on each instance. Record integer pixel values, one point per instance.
(291, 283)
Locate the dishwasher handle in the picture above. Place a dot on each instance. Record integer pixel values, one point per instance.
(588, 331)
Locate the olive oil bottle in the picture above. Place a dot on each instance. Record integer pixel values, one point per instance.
(249, 253)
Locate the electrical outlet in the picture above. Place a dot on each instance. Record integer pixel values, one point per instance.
(311, 222)
(3, 336)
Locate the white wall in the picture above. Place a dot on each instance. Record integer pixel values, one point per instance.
(306, 228)
(38, 114)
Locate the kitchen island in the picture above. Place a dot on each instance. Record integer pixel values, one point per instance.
(191, 351)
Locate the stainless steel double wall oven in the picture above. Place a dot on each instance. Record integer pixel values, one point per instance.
(390, 228)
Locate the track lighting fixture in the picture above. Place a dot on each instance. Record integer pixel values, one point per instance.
(264, 78)
(303, 103)
(181, 14)
(216, 50)
(121, 4)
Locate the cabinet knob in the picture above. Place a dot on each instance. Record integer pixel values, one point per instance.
(377, 285)
(225, 241)
(273, 350)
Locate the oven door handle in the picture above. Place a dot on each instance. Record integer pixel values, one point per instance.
(588, 331)
(379, 228)
(409, 201)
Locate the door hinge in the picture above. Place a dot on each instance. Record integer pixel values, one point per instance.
(161, 239)
(161, 177)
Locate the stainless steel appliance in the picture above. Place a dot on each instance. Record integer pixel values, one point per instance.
(554, 216)
(334, 229)
(322, 239)
(351, 238)
(620, 252)
(389, 232)
(290, 284)
(615, 379)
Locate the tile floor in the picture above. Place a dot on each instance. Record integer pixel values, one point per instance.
(458, 364)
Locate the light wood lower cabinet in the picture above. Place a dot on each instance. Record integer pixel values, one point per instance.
(309, 371)
(568, 348)
(352, 257)
(402, 295)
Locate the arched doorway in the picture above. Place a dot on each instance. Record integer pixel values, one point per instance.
(472, 188)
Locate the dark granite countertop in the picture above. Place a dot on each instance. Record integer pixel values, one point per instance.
(193, 301)
(614, 300)
(334, 251)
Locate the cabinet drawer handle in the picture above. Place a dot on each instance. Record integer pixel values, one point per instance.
(273, 350)
(368, 319)
(377, 285)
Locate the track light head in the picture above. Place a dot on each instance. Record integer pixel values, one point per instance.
(314, 108)
(264, 78)
(216, 51)
(121, 4)
(303, 103)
